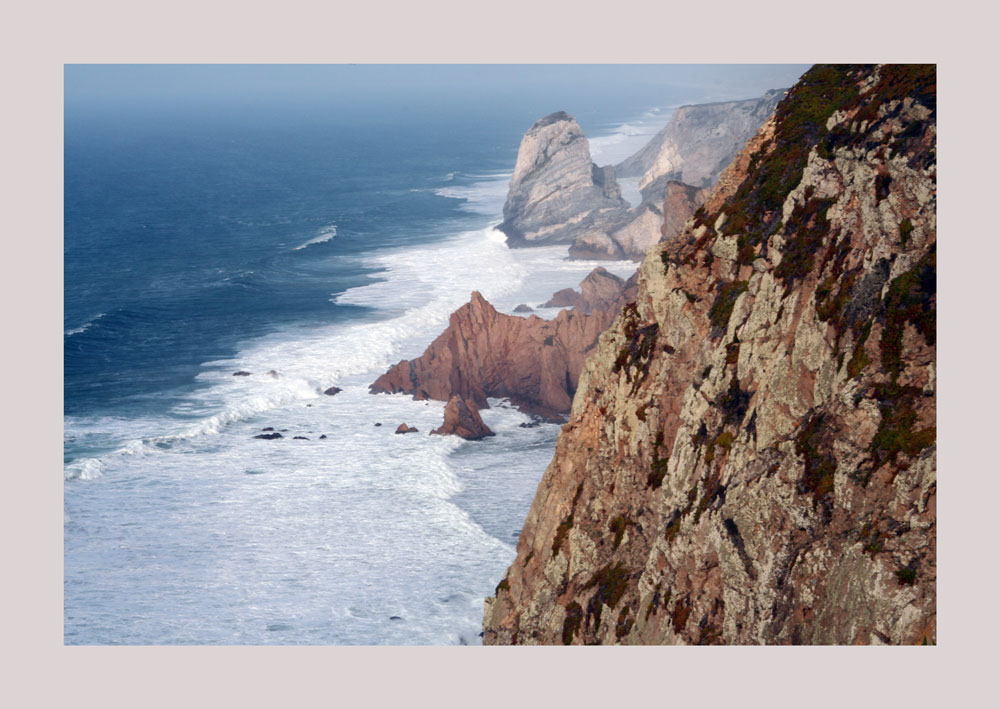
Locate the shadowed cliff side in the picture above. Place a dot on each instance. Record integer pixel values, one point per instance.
(751, 453)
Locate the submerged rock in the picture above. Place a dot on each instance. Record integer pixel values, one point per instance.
(461, 418)
(241, 373)
(269, 436)
(333, 391)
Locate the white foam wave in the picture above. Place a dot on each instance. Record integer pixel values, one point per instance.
(325, 234)
(84, 327)
(84, 469)
(627, 138)
(484, 196)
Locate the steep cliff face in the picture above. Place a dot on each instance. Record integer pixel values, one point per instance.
(699, 141)
(556, 192)
(751, 455)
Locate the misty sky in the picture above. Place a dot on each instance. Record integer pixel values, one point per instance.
(150, 84)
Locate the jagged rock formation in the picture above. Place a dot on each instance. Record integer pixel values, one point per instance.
(535, 363)
(751, 453)
(556, 192)
(699, 141)
(461, 418)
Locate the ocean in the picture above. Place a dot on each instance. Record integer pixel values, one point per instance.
(311, 241)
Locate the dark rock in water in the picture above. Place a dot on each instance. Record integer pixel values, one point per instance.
(241, 373)
(530, 424)
(269, 436)
(378, 424)
(299, 438)
(394, 617)
(560, 299)
(269, 428)
(273, 374)
(284, 430)
(309, 406)
(523, 308)
(461, 418)
(322, 437)
(403, 428)
(333, 391)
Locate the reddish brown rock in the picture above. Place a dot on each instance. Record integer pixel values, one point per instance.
(403, 428)
(679, 204)
(600, 290)
(461, 418)
(533, 362)
(567, 297)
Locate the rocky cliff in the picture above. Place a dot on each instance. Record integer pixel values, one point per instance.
(699, 141)
(751, 452)
(556, 192)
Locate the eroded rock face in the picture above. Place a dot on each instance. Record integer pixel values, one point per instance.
(461, 418)
(699, 141)
(535, 363)
(751, 452)
(556, 192)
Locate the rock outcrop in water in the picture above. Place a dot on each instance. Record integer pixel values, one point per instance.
(535, 363)
(751, 453)
(556, 192)
(558, 195)
(461, 418)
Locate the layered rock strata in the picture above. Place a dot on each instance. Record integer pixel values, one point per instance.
(751, 453)
(556, 192)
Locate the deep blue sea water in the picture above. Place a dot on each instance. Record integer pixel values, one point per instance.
(321, 235)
